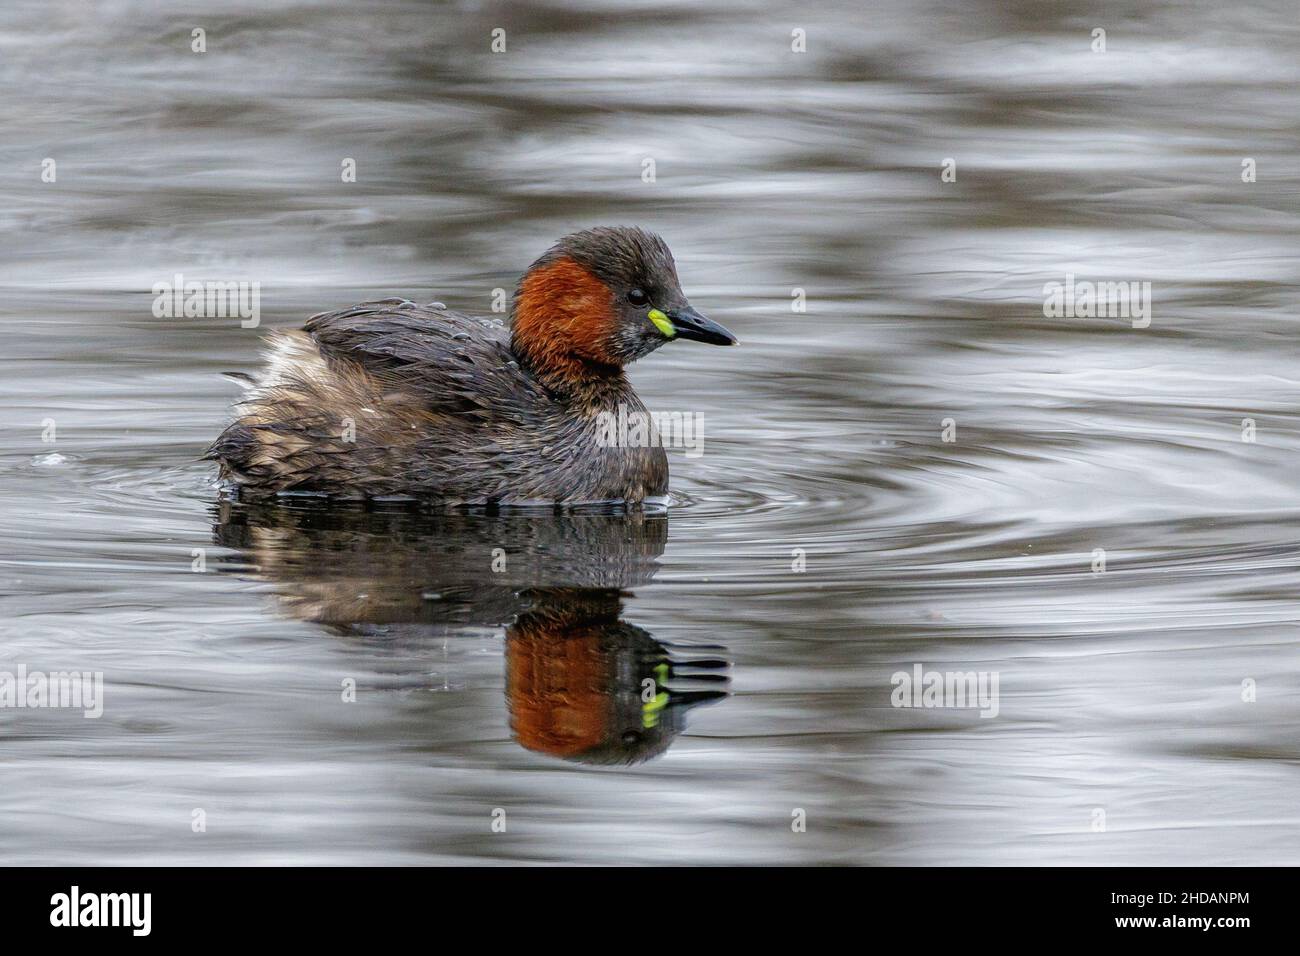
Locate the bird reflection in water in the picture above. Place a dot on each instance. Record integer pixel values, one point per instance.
(581, 683)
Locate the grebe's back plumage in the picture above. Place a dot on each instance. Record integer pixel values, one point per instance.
(392, 398)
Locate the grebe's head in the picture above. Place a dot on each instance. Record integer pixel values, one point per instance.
(602, 298)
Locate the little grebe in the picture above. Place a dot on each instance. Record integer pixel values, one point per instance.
(391, 398)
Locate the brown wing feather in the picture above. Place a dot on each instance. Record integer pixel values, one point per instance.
(391, 397)
(454, 362)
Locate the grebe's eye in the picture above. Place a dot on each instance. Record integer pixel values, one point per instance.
(637, 297)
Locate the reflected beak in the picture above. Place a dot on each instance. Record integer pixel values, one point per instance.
(689, 324)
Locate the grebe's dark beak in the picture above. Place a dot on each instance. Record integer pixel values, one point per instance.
(689, 324)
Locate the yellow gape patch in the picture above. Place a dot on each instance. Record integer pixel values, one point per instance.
(650, 709)
(662, 323)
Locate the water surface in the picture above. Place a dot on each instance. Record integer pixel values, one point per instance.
(828, 537)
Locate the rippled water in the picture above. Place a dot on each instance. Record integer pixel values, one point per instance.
(1074, 439)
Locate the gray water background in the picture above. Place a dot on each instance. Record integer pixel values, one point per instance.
(1120, 691)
